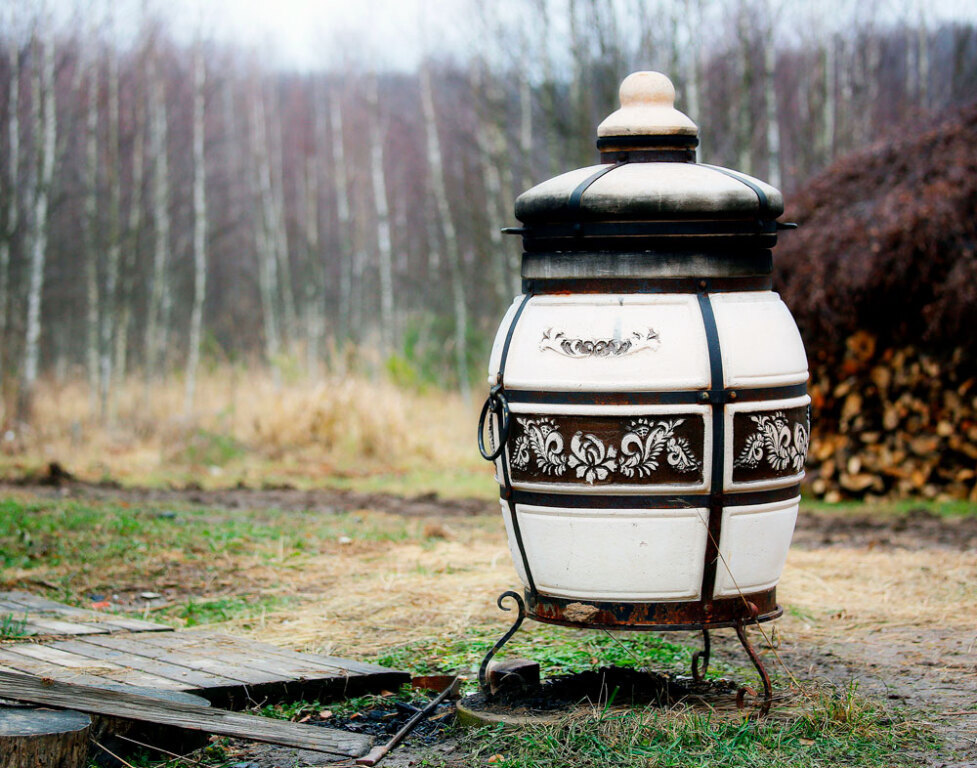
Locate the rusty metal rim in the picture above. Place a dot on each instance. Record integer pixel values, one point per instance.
(688, 615)
(691, 627)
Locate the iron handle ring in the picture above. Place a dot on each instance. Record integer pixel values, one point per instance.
(497, 405)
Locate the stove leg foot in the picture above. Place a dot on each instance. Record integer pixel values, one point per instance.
(698, 675)
(764, 706)
(521, 606)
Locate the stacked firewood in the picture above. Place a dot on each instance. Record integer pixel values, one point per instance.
(894, 422)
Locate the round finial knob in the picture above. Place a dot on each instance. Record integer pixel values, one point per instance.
(651, 88)
(647, 109)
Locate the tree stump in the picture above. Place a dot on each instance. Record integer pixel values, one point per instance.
(43, 738)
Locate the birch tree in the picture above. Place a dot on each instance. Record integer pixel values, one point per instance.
(45, 131)
(342, 214)
(264, 222)
(199, 224)
(91, 230)
(452, 251)
(278, 225)
(133, 230)
(772, 113)
(12, 197)
(382, 214)
(157, 315)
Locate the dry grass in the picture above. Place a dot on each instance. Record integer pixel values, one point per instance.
(244, 428)
(399, 592)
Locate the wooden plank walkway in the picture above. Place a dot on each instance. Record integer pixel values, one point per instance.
(46, 617)
(230, 672)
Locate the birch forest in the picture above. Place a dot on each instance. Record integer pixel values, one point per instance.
(170, 203)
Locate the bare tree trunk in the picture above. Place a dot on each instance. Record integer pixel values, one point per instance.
(491, 144)
(744, 116)
(114, 250)
(846, 92)
(313, 278)
(45, 135)
(923, 58)
(264, 222)
(158, 291)
(525, 131)
(830, 69)
(342, 215)
(199, 225)
(549, 88)
(132, 233)
(388, 333)
(91, 235)
(279, 231)
(770, 101)
(436, 166)
(13, 196)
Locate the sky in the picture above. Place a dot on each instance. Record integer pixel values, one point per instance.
(394, 34)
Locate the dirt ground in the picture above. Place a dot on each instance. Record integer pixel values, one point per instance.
(887, 600)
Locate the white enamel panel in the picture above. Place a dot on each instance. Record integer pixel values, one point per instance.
(624, 411)
(513, 546)
(753, 546)
(761, 346)
(496, 356)
(763, 406)
(614, 554)
(667, 350)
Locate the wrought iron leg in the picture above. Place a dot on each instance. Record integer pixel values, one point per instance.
(764, 706)
(521, 605)
(698, 675)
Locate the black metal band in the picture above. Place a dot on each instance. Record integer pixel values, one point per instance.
(761, 195)
(653, 500)
(615, 143)
(573, 203)
(681, 397)
(718, 446)
(650, 285)
(506, 492)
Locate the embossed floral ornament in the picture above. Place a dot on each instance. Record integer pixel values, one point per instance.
(590, 458)
(775, 442)
(644, 442)
(542, 438)
(636, 341)
(647, 447)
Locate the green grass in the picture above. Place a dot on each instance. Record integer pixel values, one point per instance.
(831, 728)
(896, 507)
(557, 649)
(76, 549)
(11, 626)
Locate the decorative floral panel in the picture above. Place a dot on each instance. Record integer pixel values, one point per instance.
(596, 450)
(769, 445)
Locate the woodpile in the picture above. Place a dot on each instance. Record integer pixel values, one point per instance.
(882, 279)
(893, 423)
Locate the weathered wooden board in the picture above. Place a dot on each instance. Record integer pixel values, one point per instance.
(119, 703)
(46, 617)
(228, 671)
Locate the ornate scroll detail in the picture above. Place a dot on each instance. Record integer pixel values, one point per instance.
(627, 345)
(775, 445)
(541, 438)
(644, 442)
(649, 450)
